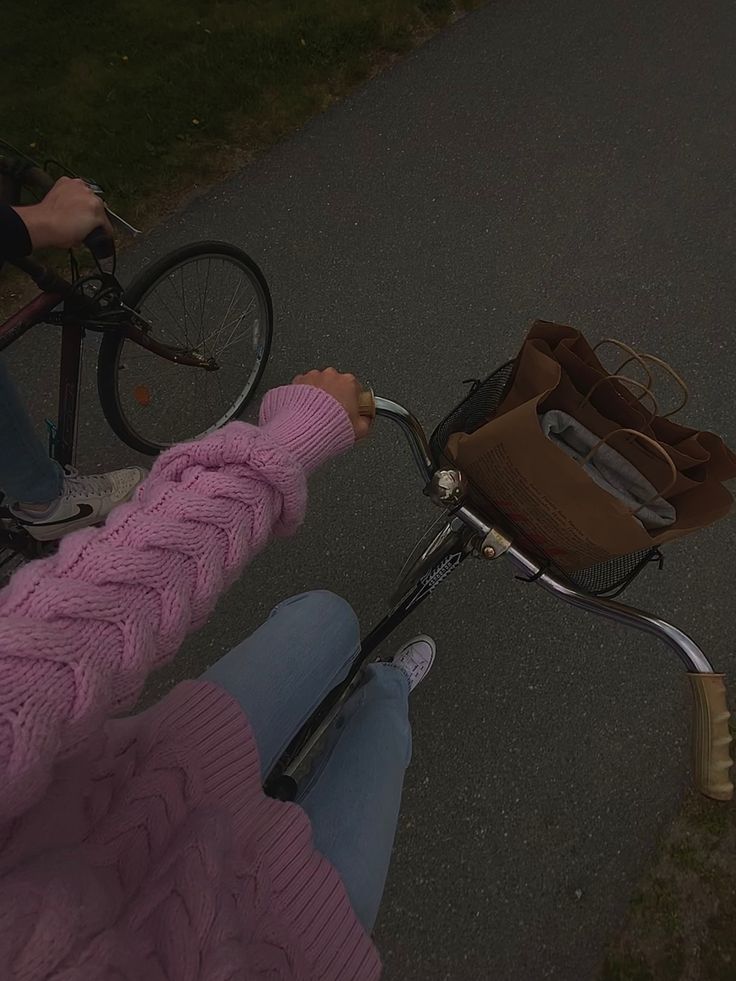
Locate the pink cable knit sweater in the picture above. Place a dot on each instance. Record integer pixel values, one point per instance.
(143, 848)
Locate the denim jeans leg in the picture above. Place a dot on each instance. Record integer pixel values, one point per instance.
(281, 673)
(278, 676)
(27, 472)
(354, 795)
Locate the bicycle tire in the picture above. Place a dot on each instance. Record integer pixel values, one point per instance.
(108, 362)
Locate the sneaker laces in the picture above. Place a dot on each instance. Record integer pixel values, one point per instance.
(91, 485)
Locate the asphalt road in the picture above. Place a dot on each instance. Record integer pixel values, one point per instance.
(567, 160)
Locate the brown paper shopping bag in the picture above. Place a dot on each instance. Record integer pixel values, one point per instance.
(512, 465)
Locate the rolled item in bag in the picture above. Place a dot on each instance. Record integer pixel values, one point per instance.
(609, 469)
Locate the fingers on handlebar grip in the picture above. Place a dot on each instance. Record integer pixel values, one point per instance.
(100, 244)
(367, 404)
(711, 736)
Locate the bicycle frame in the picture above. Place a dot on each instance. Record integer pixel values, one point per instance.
(467, 532)
(79, 314)
(36, 312)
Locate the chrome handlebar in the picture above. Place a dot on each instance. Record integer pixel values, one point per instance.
(414, 432)
(687, 650)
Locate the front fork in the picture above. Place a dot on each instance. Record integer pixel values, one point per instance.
(280, 782)
(72, 337)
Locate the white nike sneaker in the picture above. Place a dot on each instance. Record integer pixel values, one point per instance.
(84, 501)
(415, 659)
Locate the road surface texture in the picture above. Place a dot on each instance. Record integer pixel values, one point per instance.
(568, 160)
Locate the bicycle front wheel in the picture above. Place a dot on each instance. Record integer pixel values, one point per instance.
(209, 299)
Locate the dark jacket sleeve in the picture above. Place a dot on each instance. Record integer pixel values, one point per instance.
(15, 242)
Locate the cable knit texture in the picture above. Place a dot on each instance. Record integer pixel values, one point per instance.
(143, 847)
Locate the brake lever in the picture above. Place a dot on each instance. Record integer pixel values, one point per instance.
(96, 189)
(125, 225)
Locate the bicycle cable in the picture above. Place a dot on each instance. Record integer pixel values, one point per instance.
(18, 153)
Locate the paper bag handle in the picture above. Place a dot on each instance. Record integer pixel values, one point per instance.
(677, 378)
(633, 355)
(651, 442)
(632, 381)
(711, 736)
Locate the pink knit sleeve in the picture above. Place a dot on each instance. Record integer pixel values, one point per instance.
(80, 631)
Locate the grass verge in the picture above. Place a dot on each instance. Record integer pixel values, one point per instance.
(681, 921)
(152, 97)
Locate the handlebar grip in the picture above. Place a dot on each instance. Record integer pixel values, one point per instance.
(711, 736)
(100, 244)
(367, 404)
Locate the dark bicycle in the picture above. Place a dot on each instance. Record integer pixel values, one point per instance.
(183, 346)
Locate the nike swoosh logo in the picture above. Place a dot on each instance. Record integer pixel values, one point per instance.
(83, 511)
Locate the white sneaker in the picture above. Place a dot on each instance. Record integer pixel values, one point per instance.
(415, 659)
(84, 501)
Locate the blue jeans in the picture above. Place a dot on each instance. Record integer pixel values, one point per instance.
(27, 472)
(352, 796)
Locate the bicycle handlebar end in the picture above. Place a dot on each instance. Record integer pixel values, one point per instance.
(711, 736)
(367, 404)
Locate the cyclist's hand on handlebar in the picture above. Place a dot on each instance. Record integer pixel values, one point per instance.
(66, 216)
(346, 389)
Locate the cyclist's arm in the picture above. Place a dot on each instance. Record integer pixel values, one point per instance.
(80, 631)
(15, 242)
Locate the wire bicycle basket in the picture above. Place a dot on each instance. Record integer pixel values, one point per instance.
(608, 578)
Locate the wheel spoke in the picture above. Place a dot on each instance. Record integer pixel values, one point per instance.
(234, 341)
(234, 322)
(162, 301)
(184, 306)
(227, 312)
(222, 394)
(204, 300)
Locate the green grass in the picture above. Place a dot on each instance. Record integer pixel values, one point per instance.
(151, 96)
(625, 969)
(680, 923)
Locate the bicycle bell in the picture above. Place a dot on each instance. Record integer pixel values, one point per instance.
(447, 487)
